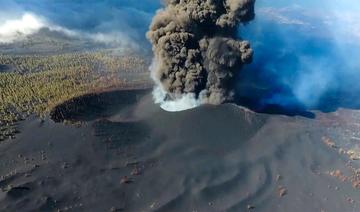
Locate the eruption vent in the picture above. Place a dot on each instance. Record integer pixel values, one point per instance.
(197, 52)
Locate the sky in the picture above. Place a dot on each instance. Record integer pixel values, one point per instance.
(304, 49)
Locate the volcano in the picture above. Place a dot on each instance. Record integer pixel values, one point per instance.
(134, 156)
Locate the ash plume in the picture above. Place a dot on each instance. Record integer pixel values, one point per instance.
(197, 51)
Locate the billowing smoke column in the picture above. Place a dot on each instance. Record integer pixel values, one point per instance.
(197, 52)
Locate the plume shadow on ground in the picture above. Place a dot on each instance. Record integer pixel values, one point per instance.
(90, 107)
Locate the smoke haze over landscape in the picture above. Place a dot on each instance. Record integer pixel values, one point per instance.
(180, 105)
(305, 56)
(305, 52)
(122, 23)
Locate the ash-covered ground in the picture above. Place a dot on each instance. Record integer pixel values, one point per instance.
(133, 156)
(79, 129)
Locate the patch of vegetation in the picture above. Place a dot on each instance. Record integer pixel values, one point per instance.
(38, 83)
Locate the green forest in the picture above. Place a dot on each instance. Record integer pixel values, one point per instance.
(35, 84)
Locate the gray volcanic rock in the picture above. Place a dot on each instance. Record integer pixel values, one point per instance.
(212, 158)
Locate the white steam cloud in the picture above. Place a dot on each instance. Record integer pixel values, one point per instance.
(17, 29)
(185, 102)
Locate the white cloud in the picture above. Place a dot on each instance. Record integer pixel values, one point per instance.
(185, 102)
(343, 24)
(17, 29)
(347, 23)
(27, 24)
(279, 15)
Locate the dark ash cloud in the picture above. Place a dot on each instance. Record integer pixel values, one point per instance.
(197, 49)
